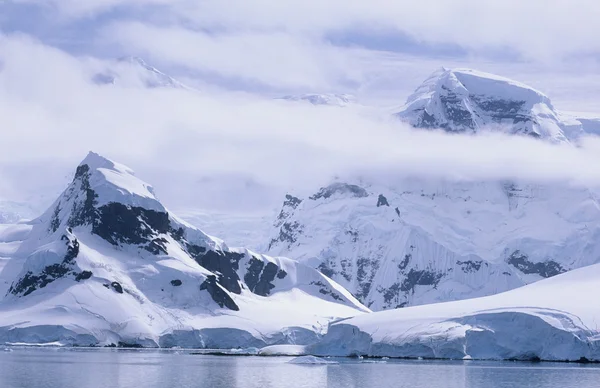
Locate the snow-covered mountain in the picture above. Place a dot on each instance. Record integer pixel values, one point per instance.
(109, 264)
(465, 100)
(553, 319)
(331, 99)
(419, 241)
(135, 72)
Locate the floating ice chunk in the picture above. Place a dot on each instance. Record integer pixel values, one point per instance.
(283, 350)
(310, 360)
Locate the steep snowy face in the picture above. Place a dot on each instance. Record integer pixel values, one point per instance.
(422, 242)
(464, 100)
(340, 100)
(135, 72)
(110, 252)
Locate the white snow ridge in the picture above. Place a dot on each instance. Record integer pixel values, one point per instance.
(108, 264)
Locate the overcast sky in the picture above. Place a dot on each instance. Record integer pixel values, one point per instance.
(230, 136)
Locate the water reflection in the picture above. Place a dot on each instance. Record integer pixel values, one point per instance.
(108, 368)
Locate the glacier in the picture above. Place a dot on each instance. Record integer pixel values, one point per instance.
(555, 319)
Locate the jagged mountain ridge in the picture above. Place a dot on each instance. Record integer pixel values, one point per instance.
(466, 100)
(107, 263)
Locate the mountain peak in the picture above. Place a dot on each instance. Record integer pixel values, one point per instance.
(114, 182)
(332, 99)
(467, 100)
(135, 71)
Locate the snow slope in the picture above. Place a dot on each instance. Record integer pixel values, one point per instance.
(553, 319)
(465, 100)
(108, 264)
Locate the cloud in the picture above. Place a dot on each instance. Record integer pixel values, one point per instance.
(213, 148)
(537, 29)
(276, 59)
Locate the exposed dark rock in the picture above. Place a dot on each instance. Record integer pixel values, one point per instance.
(382, 201)
(500, 109)
(420, 278)
(84, 213)
(259, 277)
(55, 221)
(84, 275)
(366, 270)
(325, 270)
(218, 294)
(340, 188)
(225, 265)
(177, 234)
(397, 211)
(195, 251)
(157, 246)
(290, 204)
(281, 274)
(545, 269)
(391, 294)
(176, 282)
(291, 201)
(131, 345)
(31, 281)
(457, 114)
(404, 263)
(288, 233)
(122, 224)
(347, 265)
(117, 287)
(326, 290)
(353, 233)
(471, 265)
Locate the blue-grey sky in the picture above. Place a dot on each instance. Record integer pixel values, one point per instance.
(334, 45)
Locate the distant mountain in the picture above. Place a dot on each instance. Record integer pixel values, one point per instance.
(135, 72)
(108, 264)
(465, 100)
(322, 99)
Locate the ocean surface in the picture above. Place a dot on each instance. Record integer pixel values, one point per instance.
(115, 368)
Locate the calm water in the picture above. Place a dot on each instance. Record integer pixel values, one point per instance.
(106, 368)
